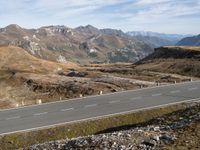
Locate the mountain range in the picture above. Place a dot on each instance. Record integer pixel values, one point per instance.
(190, 41)
(84, 44)
(157, 39)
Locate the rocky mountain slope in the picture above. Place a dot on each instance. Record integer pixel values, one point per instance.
(157, 39)
(190, 41)
(83, 44)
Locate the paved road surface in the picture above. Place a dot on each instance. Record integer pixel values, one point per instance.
(65, 111)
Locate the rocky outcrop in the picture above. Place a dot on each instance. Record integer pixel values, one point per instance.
(175, 52)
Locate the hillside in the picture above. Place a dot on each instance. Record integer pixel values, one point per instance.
(85, 44)
(190, 41)
(16, 59)
(24, 79)
(173, 59)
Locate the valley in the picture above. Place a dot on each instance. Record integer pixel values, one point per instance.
(32, 79)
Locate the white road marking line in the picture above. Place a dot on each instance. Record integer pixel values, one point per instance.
(67, 109)
(117, 101)
(92, 105)
(16, 117)
(38, 114)
(177, 91)
(191, 89)
(158, 94)
(134, 98)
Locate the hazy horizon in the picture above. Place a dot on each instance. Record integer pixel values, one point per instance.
(162, 16)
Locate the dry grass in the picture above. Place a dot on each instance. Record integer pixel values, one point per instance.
(15, 62)
(181, 60)
(16, 59)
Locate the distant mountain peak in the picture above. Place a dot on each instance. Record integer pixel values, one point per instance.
(190, 41)
(88, 29)
(88, 26)
(54, 27)
(13, 26)
(157, 39)
(156, 34)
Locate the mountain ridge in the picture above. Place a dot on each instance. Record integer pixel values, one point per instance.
(156, 39)
(190, 41)
(85, 44)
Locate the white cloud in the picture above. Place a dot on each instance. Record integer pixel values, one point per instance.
(161, 11)
(124, 14)
(151, 2)
(57, 4)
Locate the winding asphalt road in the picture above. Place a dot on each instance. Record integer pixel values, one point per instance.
(50, 114)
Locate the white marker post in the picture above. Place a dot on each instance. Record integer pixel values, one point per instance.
(23, 103)
(100, 93)
(39, 101)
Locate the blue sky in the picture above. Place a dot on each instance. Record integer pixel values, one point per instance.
(168, 16)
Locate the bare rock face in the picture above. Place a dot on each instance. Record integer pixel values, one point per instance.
(82, 44)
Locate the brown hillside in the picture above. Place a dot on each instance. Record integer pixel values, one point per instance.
(173, 59)
(18, 60)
